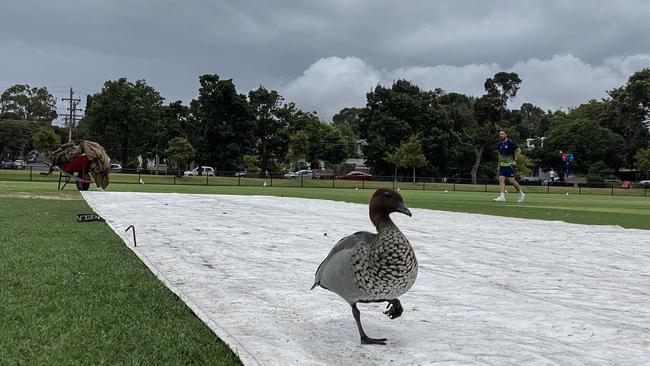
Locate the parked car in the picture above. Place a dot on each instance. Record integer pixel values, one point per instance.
(194, 172)
(7, 165)
(355, 175)
(615, 182)
(531, 181)
(644, 183)
(240, 174)
(116, 168)
(301, 174)
(19, 164)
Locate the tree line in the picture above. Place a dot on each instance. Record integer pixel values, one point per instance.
(403, 127)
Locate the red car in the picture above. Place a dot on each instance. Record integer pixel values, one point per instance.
(355, 176)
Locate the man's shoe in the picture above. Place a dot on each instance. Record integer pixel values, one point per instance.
(522, 197)
(499, 199)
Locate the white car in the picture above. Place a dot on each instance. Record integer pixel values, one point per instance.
(301, 174)
(644, 183)
(116, 168)
(207, 170)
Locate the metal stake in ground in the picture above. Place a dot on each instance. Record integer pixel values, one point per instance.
(135, 243)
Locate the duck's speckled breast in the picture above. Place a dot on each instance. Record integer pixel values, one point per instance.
(386, 268)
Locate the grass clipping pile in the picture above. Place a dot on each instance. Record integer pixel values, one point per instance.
(100, 163)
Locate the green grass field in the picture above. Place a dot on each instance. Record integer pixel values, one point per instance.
(73, 293)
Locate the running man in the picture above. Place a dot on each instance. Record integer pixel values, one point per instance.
(508, 154)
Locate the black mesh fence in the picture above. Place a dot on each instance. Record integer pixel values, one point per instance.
(228, 178)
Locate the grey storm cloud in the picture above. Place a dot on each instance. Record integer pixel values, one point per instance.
(326, 55)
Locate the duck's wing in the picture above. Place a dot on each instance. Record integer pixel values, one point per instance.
(342, 248)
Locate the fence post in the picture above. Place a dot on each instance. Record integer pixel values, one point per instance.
(612, 189)
(174, 179)
(333, 178)
(239, 180)
(30, 173)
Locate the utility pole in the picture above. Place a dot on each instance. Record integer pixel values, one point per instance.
(71, 118)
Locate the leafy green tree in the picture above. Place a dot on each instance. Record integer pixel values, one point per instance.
(593, 110)
(642, 159)
(174, 122)
(222, 124)
(348, 118)
(23, 102)
(16, 138)
(531, 121)
(413, 154)
(408, 154)
(123, 118)
(309, 138)
(252, 163)
(397, 160)
(298, 146)
(336, 144)
(180, 151)
(524, 165)
(628, 114)
(588, 141)
(393, 114)
(46, 140)
(479, 132)
(502, 86)
(270, 126)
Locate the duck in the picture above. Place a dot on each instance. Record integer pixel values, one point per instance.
(365, 267)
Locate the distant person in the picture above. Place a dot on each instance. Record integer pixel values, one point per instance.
(509, 152)
(551, 176)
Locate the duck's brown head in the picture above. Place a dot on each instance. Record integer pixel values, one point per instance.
(384, 202)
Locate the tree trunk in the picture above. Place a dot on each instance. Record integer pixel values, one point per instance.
(395, 176)
(479, 154)
(264, 159)
(414, 174)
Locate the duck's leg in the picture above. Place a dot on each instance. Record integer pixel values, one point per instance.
(394, 309)
(364, 338)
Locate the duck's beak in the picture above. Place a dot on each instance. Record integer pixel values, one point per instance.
(402, 208)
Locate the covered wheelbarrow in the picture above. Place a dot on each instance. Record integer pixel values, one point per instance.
(87, 159)
(80, 164)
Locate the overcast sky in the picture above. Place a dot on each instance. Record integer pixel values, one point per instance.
(326, 55)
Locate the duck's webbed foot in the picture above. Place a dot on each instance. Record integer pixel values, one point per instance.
(364, 338)
(394, 309)
(368, 340)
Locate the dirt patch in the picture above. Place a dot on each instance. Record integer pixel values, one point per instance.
(64, 197)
